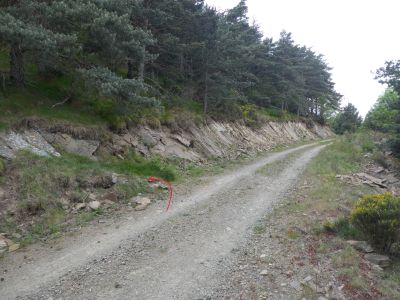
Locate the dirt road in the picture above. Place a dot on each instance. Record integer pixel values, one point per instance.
(156, 255)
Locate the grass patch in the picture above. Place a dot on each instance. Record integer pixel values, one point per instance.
(38, 100)
(344, 155)
(42, 181)
(259, 229)
(3, 126)
(44, 184)
(292, 235)
(88, 216)
(348, 262)
(60, 168)
(343, 228)
(330, 200)
(390, 284)
(277, 166)
(8, 224)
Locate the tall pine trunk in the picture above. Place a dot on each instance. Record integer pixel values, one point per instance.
(181, 59)
(141, 64)
(129, 74)
(205, 98)
(17, 73)
(143, 54)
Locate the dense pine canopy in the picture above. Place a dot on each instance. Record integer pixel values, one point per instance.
(141, 53)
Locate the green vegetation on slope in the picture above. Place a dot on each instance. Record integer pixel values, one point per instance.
(385, 115)
(322, 208)
(47, 188)
(121, 61)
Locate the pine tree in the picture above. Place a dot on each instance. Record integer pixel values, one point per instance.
(348, 120)
(23, 32)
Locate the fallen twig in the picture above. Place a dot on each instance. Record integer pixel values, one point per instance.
(62, 102)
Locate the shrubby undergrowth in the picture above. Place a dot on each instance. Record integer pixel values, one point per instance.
(378, 217)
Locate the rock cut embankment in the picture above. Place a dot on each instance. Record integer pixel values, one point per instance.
(196, 143)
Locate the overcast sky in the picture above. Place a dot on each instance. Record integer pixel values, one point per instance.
(356, 37)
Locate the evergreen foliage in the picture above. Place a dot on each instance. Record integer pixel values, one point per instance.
(390, 75)
(131, 51)
(382, 115)
(348, 120)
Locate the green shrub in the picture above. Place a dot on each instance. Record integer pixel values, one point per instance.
(378, 217)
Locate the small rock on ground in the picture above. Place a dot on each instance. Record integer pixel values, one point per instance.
(380, 260)
(141, 202)
(361, 246)
(94, 205)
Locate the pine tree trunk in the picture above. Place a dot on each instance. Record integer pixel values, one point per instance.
(143, 57)
(17, 74)
(205, 99)
(141, 64)
(129, 74)
(181, 63)
(42, 65)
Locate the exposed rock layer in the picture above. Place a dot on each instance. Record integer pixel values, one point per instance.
(196, 143)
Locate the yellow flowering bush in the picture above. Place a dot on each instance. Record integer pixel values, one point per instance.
(378, 217)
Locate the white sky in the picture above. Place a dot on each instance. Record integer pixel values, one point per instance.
(356, 37)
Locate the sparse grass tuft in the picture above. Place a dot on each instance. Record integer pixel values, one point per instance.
(293, 235)
(348, 262)
(259, 229)
(390, 284)
(346, 258)
(272, 169)
(343, 228)
(380, 159)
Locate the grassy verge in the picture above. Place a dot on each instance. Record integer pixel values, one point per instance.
(44, 191)
(323, 199)
(275, 167)
(304, 260)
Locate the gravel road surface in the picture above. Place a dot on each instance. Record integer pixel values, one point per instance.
(182, 254)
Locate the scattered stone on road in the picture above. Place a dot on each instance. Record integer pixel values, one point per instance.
(296, 285)
(117, 285)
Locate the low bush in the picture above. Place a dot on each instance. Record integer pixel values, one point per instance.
(378, 217)
(343, 228)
